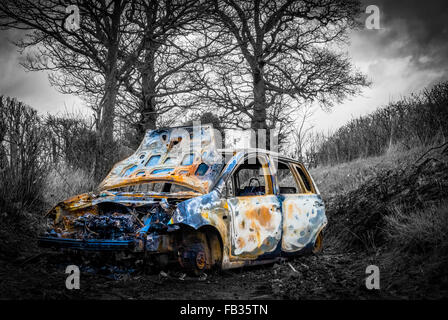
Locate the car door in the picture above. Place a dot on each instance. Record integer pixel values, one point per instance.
(302, 209)
(256, 218)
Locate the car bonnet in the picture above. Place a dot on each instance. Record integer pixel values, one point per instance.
(184, 155)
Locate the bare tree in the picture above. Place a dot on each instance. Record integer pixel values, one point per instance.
(285, 50)
(302, 131)
(142, 68)
(22, 168)
(176, 45)
(89, 60)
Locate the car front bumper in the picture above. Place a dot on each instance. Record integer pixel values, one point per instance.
(80, 244)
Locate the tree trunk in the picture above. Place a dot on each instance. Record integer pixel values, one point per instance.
(259, 117)
(105, 153)
(148, 113)
(105, 139)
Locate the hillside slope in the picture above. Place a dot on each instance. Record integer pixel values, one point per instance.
(394, 208)
(360, 194)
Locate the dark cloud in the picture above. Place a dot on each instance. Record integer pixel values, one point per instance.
(411, 28)
(408, 54)
(12, 75)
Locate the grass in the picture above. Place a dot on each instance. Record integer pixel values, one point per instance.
(344, 177)
(63, 182)
(416, 260)
(418, 231)
(394, 208)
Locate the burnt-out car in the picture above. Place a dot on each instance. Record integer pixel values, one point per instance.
(181, 198)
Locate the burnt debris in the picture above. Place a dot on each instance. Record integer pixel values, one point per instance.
(112, 226)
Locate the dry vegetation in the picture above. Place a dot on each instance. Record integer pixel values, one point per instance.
(348, 176)
(45, 159)
(384, 178)
(63, 182)
(394, 208)
(418, 120)
(419, 231)
(392, 186)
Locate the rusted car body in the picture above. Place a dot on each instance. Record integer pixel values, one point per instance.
(180, 197)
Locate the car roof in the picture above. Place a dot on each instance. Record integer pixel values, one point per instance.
(258, 150)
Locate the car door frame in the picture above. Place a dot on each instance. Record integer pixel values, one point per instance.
(261, 212)
(303, 213)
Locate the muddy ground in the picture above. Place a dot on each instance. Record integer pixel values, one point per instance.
(40, 274)
(29, 272)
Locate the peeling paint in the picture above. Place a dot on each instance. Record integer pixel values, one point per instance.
(304, 217)
(256, 225)
(247, 229)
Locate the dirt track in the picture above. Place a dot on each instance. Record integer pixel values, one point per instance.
(330, 275)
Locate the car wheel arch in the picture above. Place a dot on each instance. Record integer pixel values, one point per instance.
(215, 244)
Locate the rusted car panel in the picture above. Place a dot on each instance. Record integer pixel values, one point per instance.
(193, 217)
(256, 226)
(304, 218)
(170, 155)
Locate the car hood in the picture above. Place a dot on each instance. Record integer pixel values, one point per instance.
(184, 155)
(134, 199)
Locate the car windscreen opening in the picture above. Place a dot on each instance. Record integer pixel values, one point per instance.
(158, 187)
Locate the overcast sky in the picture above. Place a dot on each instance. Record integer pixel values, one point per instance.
(31, 88)
(408, 53)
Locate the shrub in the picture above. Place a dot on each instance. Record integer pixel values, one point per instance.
(418, 231)
(71, 140)
(63, 182)
(418, 120)
(22, 169)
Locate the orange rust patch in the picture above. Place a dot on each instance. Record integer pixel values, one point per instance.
(253, 226)
(241, 242)
(204, 214)
(290, 207)
(258, 236)
(262, 215)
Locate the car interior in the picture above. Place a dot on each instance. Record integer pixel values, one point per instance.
(286, 180)
(249, 179)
